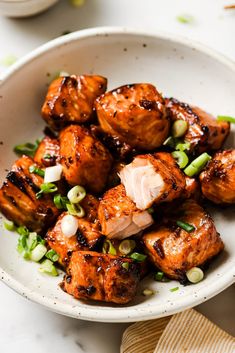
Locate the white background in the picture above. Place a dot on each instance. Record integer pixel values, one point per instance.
(25, 326)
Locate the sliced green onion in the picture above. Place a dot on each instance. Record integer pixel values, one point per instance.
(9, 225)
(159, 276)
(36, 170)
(32, 241)
(138, 257)
(108, 248)
(76, 194)
(48, 267)
(40, 240)
(150, 210)
(195, 275)
(127, 246)
(181, 158)
(182, 146)
(47, 156)
(77, 3)
(38, 253)
(27, 255)
(179, 128)
(126, 265)
(22, 230)
(61, 201)
(46, 188)
(52, 255)
(28, 148)
(22, 244)
(170, 141)
(174, 289)
(9, 60)
(229, 119)
(75, 210)
(185, 19)
(147, 292)
(196, 166)
(186, 226)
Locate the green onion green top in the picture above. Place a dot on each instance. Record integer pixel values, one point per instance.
(108, 248)
(36, 170)
(196, 166)
(159, 276)
(48, 267)
(138, 257)
(186, 226)
(27, 148)
(61, 201)
(182, 146)
(150, 210)
(9, 225)
(75, 210)
(126, 265)
(229, 119)
(181, 158)
(174, 289)
(47, 156)
(170, 142)
(9, 60)
(52, 255)
(22, 230)
(185, 19)
(46, 188)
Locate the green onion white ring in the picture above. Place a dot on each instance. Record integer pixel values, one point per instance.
(195, 275)
(76, 194)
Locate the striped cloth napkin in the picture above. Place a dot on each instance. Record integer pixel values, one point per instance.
(186, 332)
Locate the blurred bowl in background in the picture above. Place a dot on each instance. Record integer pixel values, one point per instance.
(24, 8)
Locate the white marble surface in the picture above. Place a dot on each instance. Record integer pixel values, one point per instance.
(25, 325)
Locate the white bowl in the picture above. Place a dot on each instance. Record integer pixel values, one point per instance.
(24, 8)
(178, 68)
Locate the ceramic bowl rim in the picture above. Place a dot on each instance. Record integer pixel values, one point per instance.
(94, 313)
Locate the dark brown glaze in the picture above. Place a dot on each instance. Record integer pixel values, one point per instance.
(90, 204)
(175, 251)
(218, 179)
(48, 152)
(113, 178)
(18, 200)
(135, 114)
(95, 276)
(70, 100)
(173, 177)
(84, 159)
(119, 149)
(87, 237)
(192, 189)
(118, 215)
(204, 132)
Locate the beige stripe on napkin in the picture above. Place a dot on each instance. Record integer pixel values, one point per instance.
(186, 332)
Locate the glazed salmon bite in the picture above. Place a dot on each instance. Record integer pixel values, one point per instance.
(136, 114)
(70, 100)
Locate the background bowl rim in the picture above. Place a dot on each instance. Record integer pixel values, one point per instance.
(120, 315)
